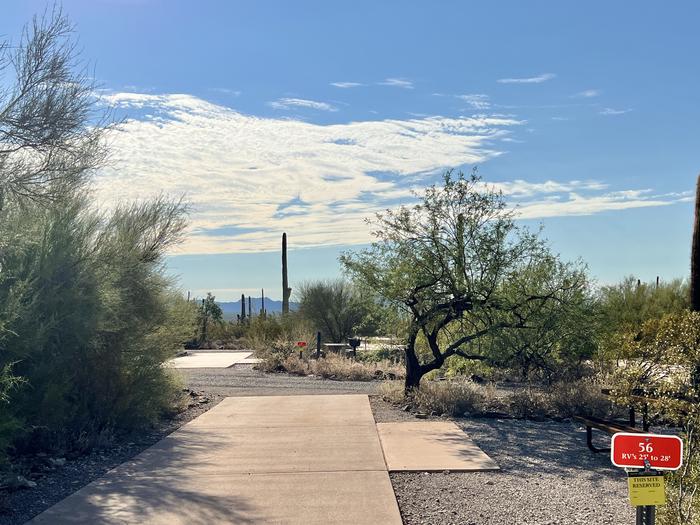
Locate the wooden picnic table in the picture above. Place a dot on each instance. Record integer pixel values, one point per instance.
(612, 427)
(349, 348)
(336, 347)
(640, 399)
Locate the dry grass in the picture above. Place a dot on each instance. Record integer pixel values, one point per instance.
(453, 398)
(582, 397)
(458, 397)
(331, 367)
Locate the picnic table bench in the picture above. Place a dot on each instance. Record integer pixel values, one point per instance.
(612, 427)
(350, 347)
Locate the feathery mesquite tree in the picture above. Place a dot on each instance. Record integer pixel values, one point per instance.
(463, 271)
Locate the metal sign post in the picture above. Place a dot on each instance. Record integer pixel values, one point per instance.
(644, 456)
(301, 345)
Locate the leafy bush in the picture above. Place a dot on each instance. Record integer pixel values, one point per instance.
(88, 317)
(664, 364)
(333, 307)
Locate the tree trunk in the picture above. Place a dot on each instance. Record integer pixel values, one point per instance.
(413, 372)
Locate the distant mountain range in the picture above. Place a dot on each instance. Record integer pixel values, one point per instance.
(233, 308)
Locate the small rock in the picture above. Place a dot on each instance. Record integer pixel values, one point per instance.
(57, 462)
(17, 483)
(421, 416)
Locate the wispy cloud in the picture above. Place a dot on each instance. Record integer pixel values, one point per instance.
(291, 103)
(226, 91)
(520, 188)
(575, 204)
(346, 85)
(397, 82)
(528, 80)
(249, 177)
(476, 101)
(612, 111)
(587, 93)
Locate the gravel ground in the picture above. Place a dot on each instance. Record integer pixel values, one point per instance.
(547, 477)
(243, 380)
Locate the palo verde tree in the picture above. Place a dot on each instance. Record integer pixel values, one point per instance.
(334, 307)
(462, 269)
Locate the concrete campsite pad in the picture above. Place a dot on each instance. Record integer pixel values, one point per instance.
(431, 446)
(208, 451)
(283, 459)
(288, 412)
(209, 359)
(249, 361)
(318, 498)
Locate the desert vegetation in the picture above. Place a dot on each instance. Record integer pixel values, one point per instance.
(468, 312)
(87, 317)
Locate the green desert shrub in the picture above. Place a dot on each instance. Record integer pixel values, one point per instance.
(664, 364)
(334, 307)
(88, 318)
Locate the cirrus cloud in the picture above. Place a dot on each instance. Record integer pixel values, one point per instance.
(527, 80)
(249, 178)
(291, 103)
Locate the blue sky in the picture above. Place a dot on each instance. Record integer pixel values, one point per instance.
(307, 116)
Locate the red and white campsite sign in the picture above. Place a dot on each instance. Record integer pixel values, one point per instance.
(661, 451)
(301, 344)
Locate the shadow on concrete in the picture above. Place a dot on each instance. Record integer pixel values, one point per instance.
(152, 488)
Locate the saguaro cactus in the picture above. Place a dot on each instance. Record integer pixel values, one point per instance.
(242, 308)
(695, 255)
(262, 302)
(286, 290)
(250, 307)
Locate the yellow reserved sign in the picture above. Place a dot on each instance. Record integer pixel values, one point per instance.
(646, 490)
